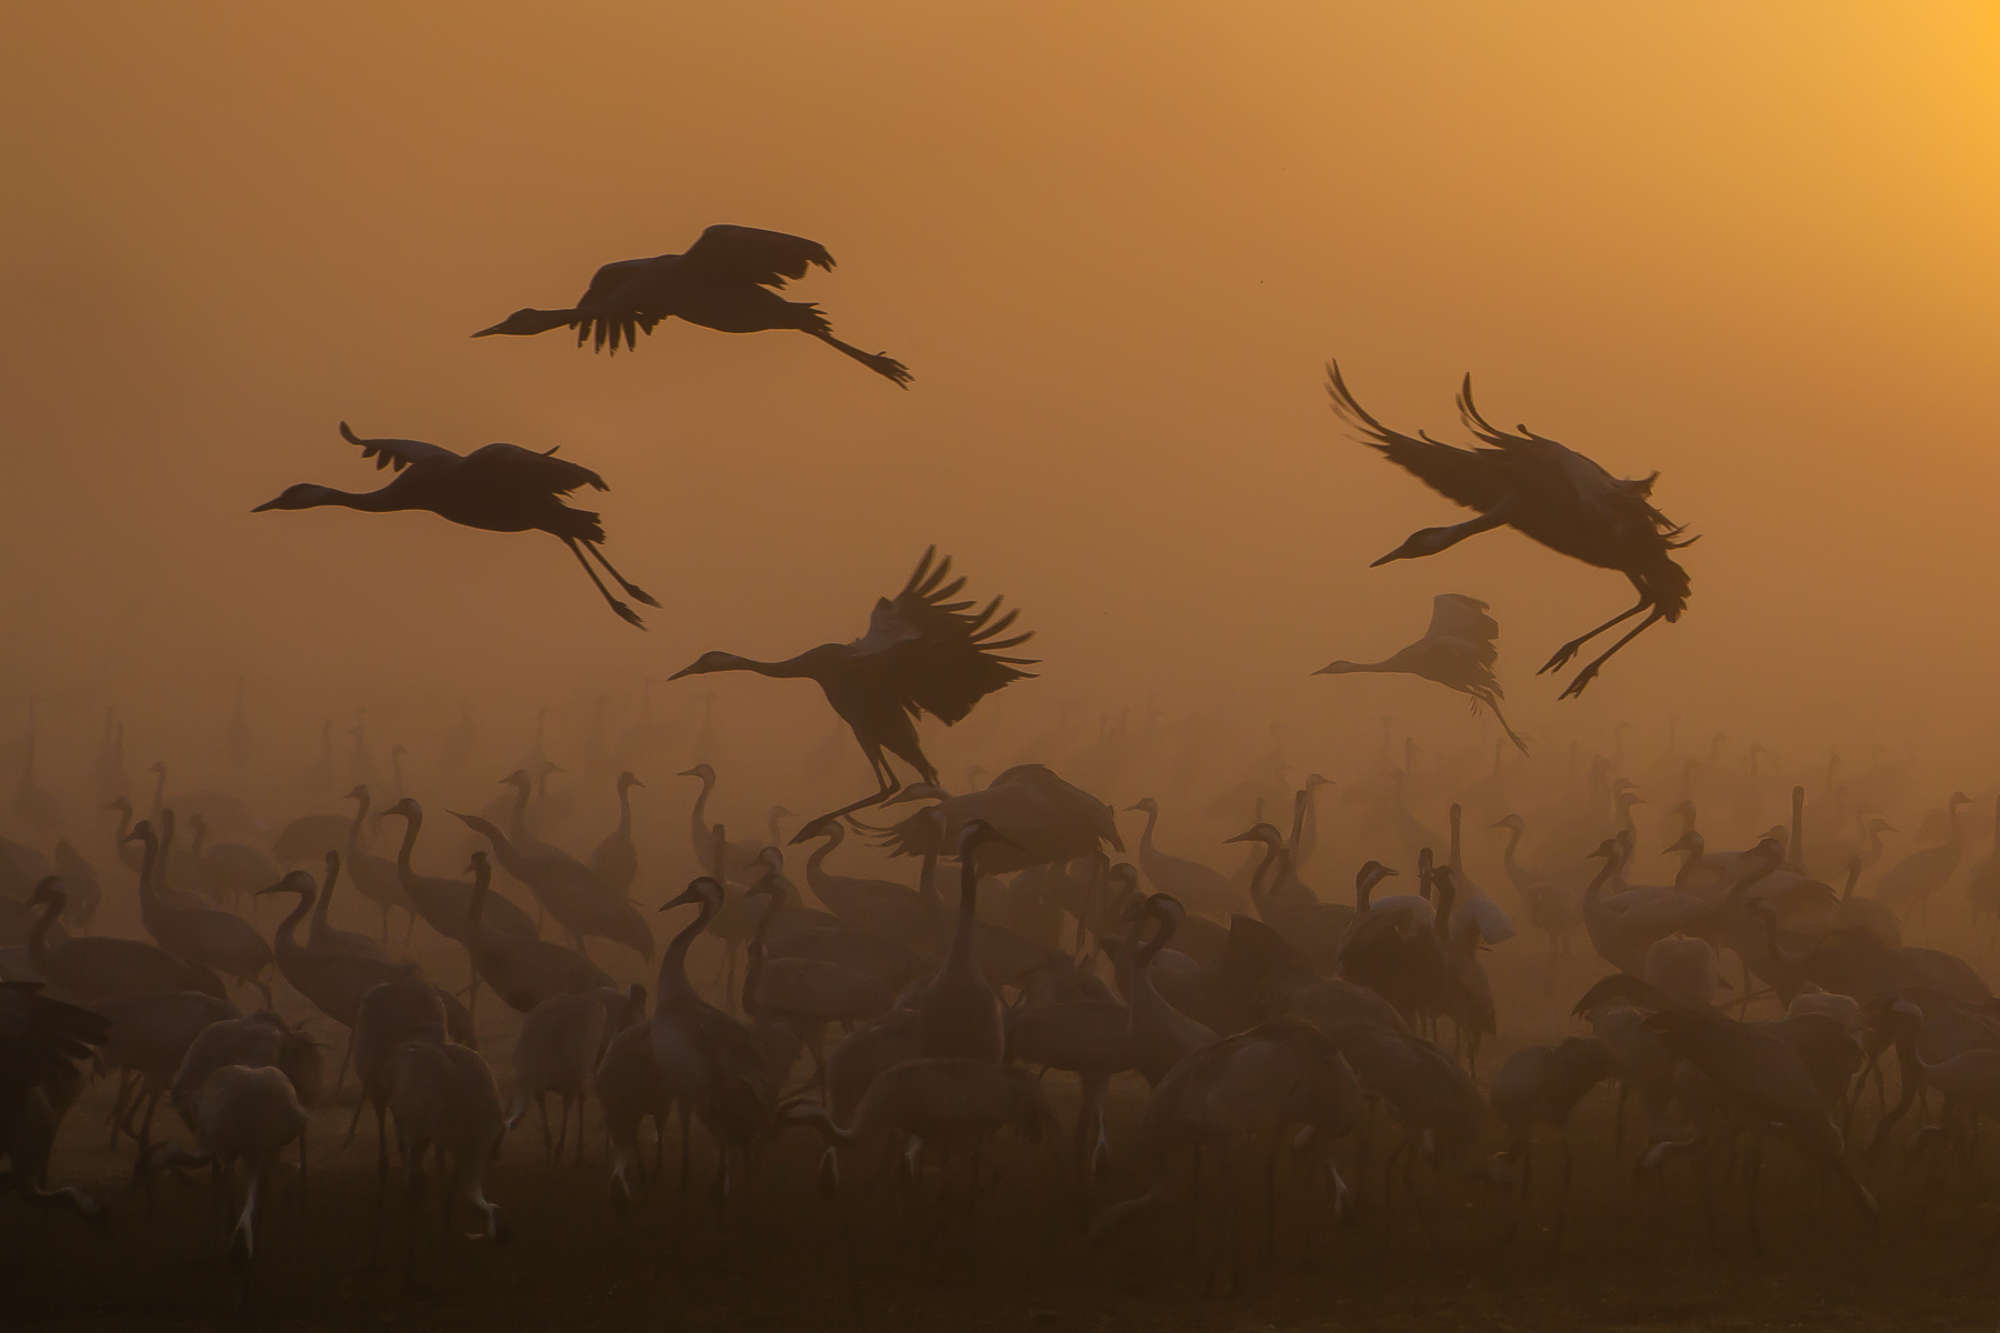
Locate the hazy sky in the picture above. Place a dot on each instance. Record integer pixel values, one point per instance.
(1752, 246)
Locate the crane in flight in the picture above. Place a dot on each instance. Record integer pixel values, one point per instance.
(728, 280)
(1457, 651)
(923, 653)
(1547, 492)
(497, 488)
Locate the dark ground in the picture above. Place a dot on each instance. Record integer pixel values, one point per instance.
(1628, 1262)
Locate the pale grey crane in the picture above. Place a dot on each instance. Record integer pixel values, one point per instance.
(1457, 651)
(1548, 493)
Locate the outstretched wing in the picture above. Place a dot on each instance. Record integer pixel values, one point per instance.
(938, 656)
(398, 454)
(1475, 478)
(727, 253)
(1456, 616)
(614, 306)
(1588, 481)
(525, 467)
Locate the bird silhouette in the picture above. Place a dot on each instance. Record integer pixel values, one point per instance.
(1547, 492)
(728, 280)
(1457, 651)
(921, 654)
(497, 488)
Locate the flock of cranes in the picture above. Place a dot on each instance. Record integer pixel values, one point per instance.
(1188, 1045)
(1276, 1036)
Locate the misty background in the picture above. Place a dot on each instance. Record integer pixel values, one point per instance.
(1753, 247)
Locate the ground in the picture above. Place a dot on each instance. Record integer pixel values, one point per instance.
(1631, 1259)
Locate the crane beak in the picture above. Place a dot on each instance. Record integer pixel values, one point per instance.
(687, 670)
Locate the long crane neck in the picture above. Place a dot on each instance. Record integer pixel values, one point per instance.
(672, 982)
(287, 936)
(413, 823)
(968, 916)
(325, 894)
(700, 819)
(625, 811)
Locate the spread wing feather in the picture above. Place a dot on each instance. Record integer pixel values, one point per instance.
(937, 656)
(398, 454)
(729, 253)
(1475, 478)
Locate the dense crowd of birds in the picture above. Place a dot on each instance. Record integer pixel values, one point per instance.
(1053, 960)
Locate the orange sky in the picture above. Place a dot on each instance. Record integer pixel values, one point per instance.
(1754, 247)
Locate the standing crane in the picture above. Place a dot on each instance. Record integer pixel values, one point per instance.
(1457, 652)
(1547, 492)
(497, 488)
(728, 281)
(922, 654)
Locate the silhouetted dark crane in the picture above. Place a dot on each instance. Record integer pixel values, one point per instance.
(1545, 491)
(921, 654)
(498, 488)
(1457, 652)
(727, 281)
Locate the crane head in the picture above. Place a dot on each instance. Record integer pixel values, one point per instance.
(1264, 833)
(710, 662)
(1512, 822)
(703, 889)
(295, 881)
(305, 495)
(1422, 542)
(1372, 873)
(526, 321)
(1689, 842)
(1145, 805)
(702, 771)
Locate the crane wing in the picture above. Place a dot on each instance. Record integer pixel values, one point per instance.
(726, 253)
(525, 467)
(398, 454)
(1587, 481)
(1475, 478)
(938, 656)
(1456, 616)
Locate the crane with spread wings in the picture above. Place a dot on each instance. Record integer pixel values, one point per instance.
(497, 488)
(1458, 651)
(923, 653)
(728, 281)
(1547, 492)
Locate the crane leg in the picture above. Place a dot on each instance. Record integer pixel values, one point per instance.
(625, 613)
(888, 367)
(1589, 673)
(1570, 649)
(631, 589)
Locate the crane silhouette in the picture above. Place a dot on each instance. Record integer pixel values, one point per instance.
(1457, 651)
(922, 654)
(728, 281)
(1547, 492)
(497, 488)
